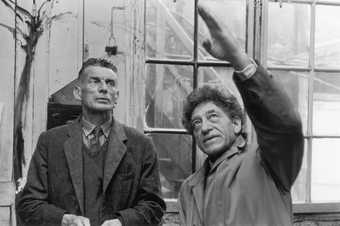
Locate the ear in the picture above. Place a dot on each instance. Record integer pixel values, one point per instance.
(237, 125)
(116, 95)
(77, 92)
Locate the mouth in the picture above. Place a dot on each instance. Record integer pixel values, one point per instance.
(209, 139)
(103, 100)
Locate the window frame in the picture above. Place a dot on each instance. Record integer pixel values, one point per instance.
(256, 45)
(308, 207)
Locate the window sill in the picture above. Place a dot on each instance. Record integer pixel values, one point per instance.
(317, 212)
(298, 209)
(316, 208)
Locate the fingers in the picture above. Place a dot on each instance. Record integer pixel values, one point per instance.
(206, 15)
(73, 220)
(77, 222)
(82, 221)
(85, 221)
(114, 222)
(207, 46)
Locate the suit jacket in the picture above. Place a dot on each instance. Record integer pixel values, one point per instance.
(54, 185)
(252, 186)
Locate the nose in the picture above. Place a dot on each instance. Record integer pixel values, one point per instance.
(103, 87)
(206, 127)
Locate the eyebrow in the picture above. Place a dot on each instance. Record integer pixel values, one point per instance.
(96, 77)
(93, 77)
(210, 111)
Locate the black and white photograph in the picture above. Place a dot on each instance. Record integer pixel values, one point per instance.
(170, 113)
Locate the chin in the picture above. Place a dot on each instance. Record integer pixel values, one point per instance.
(102, 108)
(215, 151)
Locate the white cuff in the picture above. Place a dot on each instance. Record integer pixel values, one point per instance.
(247, 71)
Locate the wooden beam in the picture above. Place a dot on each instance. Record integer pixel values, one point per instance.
(7, 191)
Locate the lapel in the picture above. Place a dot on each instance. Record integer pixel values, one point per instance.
(115, 152)
(73, 153)
(197, 180)
(197, 189)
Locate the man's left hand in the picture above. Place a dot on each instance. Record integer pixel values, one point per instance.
(114, 222)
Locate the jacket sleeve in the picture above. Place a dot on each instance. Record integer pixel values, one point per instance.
(32, 203)
(150, 207)
(277, 124)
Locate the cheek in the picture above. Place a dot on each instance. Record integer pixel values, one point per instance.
(114, 93)
(87, 96)
(88, 91)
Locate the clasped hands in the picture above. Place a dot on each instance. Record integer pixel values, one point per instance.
(74, 220)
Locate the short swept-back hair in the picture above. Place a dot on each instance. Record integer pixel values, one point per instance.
(227, 102)
(97, 62)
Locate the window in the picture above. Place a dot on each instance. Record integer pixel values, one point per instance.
(176, 64)
(298, 40)
(302, 46)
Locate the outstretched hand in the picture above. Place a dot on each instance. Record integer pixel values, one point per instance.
(222, 44)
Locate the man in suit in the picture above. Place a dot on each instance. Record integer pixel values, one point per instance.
(240, 184)
(94, 171)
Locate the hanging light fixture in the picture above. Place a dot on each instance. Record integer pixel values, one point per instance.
(112, 48)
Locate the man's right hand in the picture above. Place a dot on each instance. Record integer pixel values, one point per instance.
(73, 220)
(222, 44)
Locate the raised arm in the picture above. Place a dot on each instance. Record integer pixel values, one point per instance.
(277, 123)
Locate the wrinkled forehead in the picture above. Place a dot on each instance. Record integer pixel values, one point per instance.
(99, 72)
(206, 108)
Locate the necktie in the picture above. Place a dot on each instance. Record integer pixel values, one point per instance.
(94, 141)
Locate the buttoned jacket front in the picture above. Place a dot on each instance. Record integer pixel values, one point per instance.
(54, 185)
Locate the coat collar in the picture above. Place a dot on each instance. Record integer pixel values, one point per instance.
(88, 127)
(196, 182)
(73, 152)
(199, 175)
(235, 149)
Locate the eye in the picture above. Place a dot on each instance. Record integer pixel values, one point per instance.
(213, 116)
(94, 80)
(196, 123)
(111, 83)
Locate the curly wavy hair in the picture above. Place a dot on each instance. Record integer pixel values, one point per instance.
(227, 102)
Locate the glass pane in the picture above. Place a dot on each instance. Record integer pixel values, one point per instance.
(296, 86)
(233, 13)
(299, 189)
(325, 170)
(326, 104)
(288, 34)
(166, 86)
(65, 44)
(169, 29)
(327, 36)
(174, 152)
(107, 28)
(218, 76)
(7, 63)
